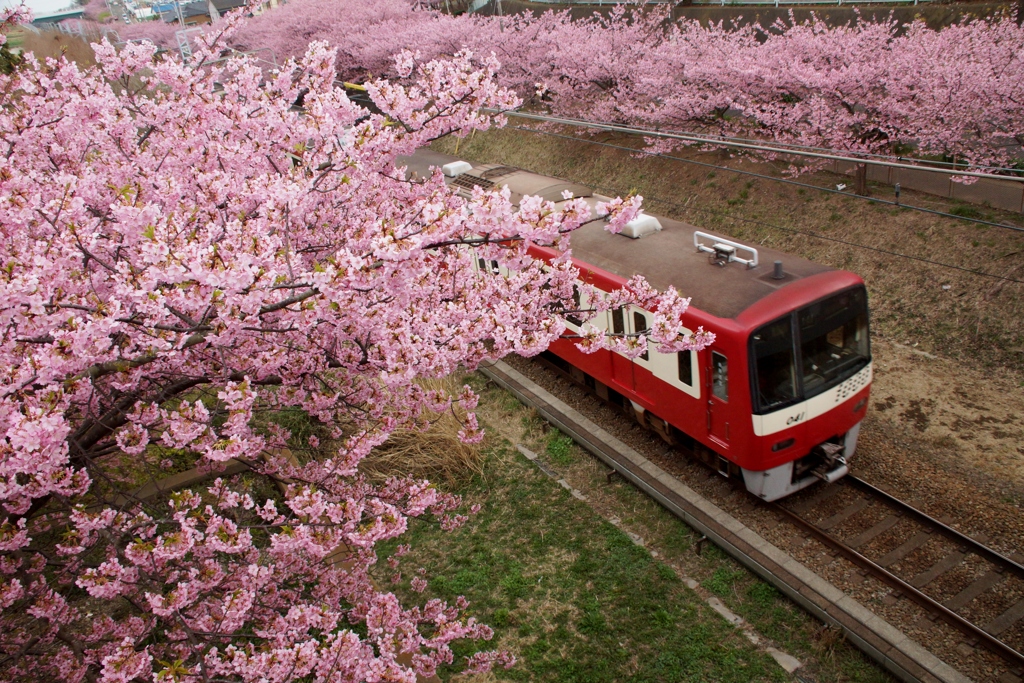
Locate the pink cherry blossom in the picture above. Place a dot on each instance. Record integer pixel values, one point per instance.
(187, 256)
(864, 87)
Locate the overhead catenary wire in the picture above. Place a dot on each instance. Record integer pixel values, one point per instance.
(741, 143)
(866, 156)
(786, 181)
(773, 226)
(745, 143)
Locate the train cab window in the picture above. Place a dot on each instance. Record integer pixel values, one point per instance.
(833, 340)
(774, 365)
(685, 359)
(639, 327)
(618, 322)
(575, 319)
(719, 376)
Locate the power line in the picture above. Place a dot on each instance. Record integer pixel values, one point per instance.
(785, 181)
(851, 244)
(872, 155)
(741, 143)
(766, 224)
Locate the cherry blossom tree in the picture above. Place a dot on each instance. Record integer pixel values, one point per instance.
(367, 34)
(862, 87)
(186, 256)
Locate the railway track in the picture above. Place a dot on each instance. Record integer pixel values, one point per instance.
(952, 578)
(955, 578)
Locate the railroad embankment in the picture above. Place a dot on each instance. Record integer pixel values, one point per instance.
(936, 15)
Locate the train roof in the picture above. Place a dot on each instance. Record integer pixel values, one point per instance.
(666, 257)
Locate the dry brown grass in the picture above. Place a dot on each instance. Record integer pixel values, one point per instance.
(937, 308)
(55, 44)
(436, 453)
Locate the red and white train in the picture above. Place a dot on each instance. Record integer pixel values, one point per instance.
(778, 398)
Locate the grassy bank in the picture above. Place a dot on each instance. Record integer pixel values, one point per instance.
(576, 598)
(915, 263)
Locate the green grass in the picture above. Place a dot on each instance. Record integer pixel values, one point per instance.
(965, 211)
(560, 448)
(570, 594)
(721, 581)
(583, 607)
(825, 654)
(576, 600)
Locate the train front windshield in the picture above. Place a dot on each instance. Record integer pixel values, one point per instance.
(810, 351)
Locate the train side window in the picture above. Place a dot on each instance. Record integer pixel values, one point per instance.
(618, 322)
(685, 367)
(487, 266)
(577, 305)
(719, 376)
(639, 327)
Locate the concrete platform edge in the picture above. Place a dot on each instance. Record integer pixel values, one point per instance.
(900, 655)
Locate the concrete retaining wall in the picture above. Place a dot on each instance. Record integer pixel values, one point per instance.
(1007, 195)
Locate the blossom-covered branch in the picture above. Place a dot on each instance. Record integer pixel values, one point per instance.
(186, 258)
(863, 87)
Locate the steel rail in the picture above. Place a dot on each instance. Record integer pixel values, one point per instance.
(984, 637)
(973, 545)
(991, 642)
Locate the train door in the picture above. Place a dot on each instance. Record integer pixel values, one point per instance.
(717, 386)
(622, 367)
(639, 322)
